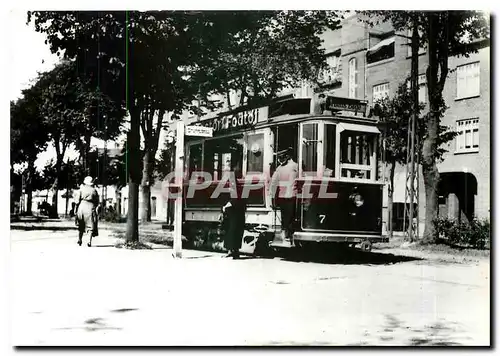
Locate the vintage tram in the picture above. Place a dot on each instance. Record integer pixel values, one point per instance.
(335, 144)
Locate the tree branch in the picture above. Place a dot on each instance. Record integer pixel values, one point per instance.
(443, 52)
(158, 128)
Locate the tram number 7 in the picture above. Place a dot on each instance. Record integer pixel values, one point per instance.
(321, 218)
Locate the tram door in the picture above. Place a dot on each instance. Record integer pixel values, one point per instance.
(285, 136)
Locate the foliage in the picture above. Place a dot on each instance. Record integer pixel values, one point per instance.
(154, 62)
(28, 132)
(394, 115)
(476, 234)
(265, 52)
(113, 216)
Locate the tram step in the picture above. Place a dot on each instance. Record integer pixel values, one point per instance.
(281, 243)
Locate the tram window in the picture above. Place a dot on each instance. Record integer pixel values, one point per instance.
(223, 154)
(329, 151)
(285, 136)
(356, 154)
(195, 155)
(255, 153)
(310, 148)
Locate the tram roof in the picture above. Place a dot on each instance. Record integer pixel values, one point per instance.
(287, 110)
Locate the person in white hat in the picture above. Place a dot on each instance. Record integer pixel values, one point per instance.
(283, 190)
(87, 202)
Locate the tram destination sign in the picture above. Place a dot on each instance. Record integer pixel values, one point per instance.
(200, 131)
(334, 103)
(231, 122)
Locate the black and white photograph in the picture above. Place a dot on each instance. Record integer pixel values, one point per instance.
(217, 178)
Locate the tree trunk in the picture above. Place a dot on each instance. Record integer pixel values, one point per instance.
(390, 199)
(54, 211)
(29, 186)
(429, 147)
(145, 210)
(118, 204)
(133, 164)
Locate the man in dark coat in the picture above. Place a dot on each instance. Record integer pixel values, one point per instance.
(234, 223)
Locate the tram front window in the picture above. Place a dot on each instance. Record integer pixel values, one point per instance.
(356, 155)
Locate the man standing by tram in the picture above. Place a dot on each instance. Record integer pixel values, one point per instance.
(283, 190)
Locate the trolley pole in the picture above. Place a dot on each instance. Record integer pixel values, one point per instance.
(179, 174)
(412, 162)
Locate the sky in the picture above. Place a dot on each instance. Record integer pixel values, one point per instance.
(28, 54)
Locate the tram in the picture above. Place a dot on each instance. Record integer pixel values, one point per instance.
(334, 142)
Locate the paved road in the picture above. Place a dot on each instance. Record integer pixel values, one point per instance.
(63, 294)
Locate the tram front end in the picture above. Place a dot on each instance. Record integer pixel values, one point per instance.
(347, 213)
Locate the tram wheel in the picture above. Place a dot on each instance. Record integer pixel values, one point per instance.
(366, 246)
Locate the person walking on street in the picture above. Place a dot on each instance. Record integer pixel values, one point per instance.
(283, 180)
(87, 203)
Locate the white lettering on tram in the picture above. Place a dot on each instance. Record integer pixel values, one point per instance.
(198, 181)
(224, 187)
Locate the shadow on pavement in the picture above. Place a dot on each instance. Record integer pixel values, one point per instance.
(437, 334)
(343, 256)
(123, 310)
(91, 325)
(38, 227)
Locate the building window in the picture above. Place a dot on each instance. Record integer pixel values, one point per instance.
(421, 50)
(468, 80)
(331, 75)
(381, 51)
(353, 78)
(467, 135)
(380, 91)
(422, 90)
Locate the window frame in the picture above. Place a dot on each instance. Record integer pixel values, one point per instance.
(379, 85)
(352, 73)
(342, 127)
(421, 50)
(319, 148)
(464, 94)
(473, 126)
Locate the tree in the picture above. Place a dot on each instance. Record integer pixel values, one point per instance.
(157, 62)
(66, 106)
(445, 34)
(394, 115)
(269, 51)
(29, 136)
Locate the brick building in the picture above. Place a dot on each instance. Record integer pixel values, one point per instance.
(371, 62)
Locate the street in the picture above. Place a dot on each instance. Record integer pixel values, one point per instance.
(63, 294)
